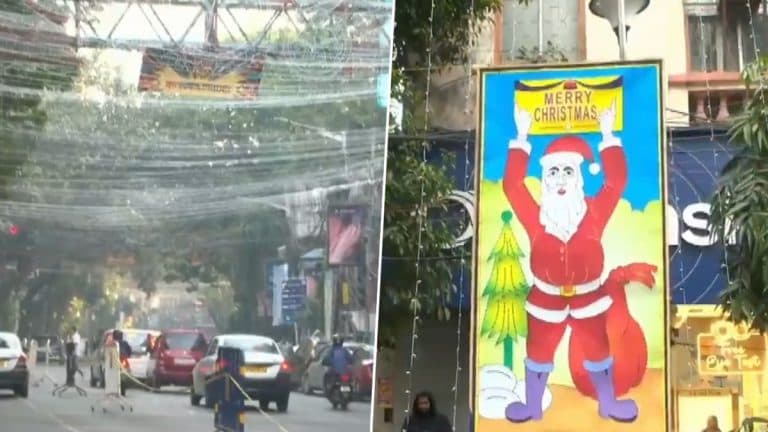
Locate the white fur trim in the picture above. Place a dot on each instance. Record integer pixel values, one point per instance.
(579, 289)
(550, 316)
(599, 306)
(594, 168)
(559, 158)
(609, 142)
(523, 145)
(594, 309)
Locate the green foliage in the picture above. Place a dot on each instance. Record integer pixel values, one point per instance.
(550, 54)
(403, 216)
(20, 115)
(453, 30)
(740, 208)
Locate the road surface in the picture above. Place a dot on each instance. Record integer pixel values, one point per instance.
(168, 411)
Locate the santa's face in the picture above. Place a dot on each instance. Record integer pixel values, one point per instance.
(561, 179)
(562, 199)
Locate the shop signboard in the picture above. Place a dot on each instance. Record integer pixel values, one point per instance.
(730, 349)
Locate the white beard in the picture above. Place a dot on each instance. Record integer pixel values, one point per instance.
(562, 215)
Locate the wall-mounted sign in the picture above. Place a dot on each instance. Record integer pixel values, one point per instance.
(222, 74)
(384, 392)
(730, 349)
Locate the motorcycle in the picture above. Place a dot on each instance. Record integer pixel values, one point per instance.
(340, 392)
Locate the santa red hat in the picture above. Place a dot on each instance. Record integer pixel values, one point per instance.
(569, 149)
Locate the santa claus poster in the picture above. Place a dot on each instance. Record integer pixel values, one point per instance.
(570, 289)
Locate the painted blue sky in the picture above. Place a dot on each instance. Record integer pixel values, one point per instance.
(640, 135)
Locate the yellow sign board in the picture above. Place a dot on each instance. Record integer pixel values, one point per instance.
(385, 393)
(570, 106)
(227, 86)
(222, 74)
(731, 349)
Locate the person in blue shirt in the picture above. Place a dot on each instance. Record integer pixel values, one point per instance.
(338, 360)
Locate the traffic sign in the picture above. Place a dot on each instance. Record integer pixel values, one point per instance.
(292, 299)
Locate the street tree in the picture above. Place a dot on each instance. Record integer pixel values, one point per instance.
(740, 207)
(45, 62)
(407, 210)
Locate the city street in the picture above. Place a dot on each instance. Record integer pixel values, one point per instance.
(169, 411)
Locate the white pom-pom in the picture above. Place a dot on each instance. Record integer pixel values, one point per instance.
(594, 168)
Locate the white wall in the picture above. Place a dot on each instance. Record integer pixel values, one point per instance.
(658, 32)
(434, 371)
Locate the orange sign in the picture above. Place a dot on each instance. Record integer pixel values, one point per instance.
(384, 388)
(730, 349)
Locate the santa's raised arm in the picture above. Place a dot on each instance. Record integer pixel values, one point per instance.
(614, 166)
(520, 198)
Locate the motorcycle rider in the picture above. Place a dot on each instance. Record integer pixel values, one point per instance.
(338, 360)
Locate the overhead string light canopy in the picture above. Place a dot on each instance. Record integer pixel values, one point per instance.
(129, 121)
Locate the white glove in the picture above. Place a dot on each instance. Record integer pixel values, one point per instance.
(608, 121)
(523, 123)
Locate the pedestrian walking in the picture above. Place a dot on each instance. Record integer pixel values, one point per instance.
(424, 416)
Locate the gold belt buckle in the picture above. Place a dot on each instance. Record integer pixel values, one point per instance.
(567, 291)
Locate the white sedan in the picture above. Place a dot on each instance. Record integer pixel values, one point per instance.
(266, 373)
(14, 374)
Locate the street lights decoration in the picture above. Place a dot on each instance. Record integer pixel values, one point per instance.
(610, 10)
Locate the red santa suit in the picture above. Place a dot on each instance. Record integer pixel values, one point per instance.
(567, 288)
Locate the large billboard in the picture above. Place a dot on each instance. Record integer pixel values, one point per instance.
(222, 73)
(569, 300)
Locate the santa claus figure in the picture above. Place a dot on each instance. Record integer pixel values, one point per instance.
(567, 260)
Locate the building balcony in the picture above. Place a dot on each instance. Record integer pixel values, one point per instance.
(713, 97)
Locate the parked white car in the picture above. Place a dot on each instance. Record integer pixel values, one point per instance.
(14, 374)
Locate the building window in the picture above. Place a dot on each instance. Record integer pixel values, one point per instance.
(720, 35)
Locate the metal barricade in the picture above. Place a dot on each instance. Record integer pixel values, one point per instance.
(45, 373)
(112, 382)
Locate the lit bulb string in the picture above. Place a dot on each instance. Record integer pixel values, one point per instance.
(462, 260)
(288, 99)
(458, 137)
(421, 217)
(127, 215)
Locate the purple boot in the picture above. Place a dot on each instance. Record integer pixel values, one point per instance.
(536, 376)
(609, 407)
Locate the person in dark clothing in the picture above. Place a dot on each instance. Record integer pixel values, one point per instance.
(125, 348)
(424, 416)
(712, 425)
(338, 360)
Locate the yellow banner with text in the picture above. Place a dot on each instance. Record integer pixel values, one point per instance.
(570, 106)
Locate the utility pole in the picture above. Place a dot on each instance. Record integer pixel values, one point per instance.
(329, 287)
(622, 30)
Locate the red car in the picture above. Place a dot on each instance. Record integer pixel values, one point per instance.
(174, 355)
(362, 371)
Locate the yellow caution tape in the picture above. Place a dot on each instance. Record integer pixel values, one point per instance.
(269, 418)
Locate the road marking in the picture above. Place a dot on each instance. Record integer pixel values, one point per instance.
(53, 417)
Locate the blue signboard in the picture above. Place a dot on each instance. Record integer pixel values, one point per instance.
(292, 299)
(696, 157)
(695, 271)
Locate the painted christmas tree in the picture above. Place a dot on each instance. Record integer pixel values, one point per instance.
(505, 293)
